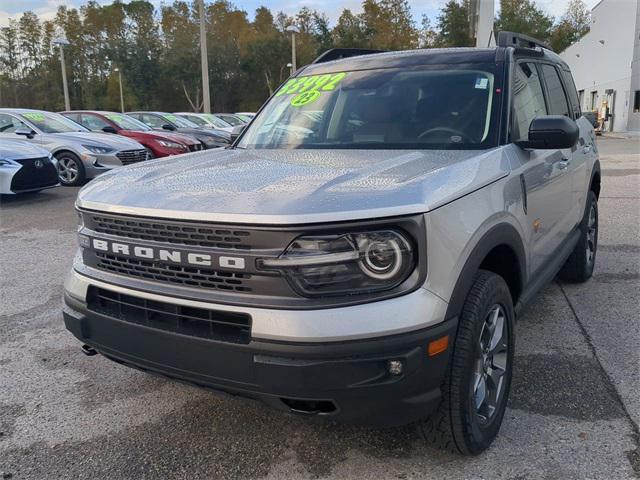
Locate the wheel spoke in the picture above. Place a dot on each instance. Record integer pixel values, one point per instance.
(480, 391)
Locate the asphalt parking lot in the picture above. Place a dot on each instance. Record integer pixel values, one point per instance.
(574, 408)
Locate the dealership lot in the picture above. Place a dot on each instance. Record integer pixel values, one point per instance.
(574, 408)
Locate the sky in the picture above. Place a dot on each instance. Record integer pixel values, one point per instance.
(46, 8)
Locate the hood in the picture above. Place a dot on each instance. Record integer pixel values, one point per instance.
(145, 135)
(204, 133)
(117, 142)
(293, 186)
(18, 150)
(177, 137)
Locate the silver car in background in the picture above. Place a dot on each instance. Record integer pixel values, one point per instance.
(206, 120)
(81, 154)
(26, 168)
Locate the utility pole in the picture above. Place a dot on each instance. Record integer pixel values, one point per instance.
(293, 30)
(481, 22)
(121, 95)
(206, 100)
(61, 42)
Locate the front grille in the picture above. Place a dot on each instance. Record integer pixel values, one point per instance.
(195, 322)
(132, 156)
(176, 233)
(176, 274)
(30, 177)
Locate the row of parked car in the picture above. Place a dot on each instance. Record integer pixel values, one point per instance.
(40, 149)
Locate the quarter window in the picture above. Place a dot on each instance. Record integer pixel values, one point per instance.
(555, 92)
(528, 100)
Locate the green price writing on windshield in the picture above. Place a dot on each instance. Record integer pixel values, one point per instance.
(36, 117)
(308, 89)
(115, 118)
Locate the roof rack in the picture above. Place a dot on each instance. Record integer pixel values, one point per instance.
(338, 53)
(520, 40)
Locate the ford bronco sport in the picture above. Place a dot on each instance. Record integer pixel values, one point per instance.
(363, 249)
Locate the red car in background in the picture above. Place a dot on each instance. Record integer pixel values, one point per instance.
(159, 144)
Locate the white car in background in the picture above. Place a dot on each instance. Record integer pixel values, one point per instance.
(81, 154)
(206, 120)
(26, 168)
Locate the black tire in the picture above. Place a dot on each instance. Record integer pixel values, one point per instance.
(457, 425)
(70, 169)
(580, 264)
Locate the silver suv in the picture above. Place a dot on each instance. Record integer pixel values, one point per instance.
(81, 154)
(362, 251)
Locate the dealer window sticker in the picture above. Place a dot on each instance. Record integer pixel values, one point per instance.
(34, 116)
(115, 118)
(308, 89)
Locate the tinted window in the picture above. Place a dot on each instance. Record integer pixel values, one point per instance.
(153, 121)
(428, 108)
(574, 98)
(92, 122)
(555, 92)
(528, 100)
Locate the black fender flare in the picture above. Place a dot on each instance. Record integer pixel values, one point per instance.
(595, 171)
(501, 234)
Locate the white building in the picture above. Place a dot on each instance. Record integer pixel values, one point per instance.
(606, 64)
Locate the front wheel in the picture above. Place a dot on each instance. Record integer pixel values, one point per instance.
(580, 264)
(476, 387)
(70, 169)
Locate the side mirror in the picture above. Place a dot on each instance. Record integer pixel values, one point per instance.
(25, 131)
(551, 132)
(235, 133)
(109, 129)
(166, 126)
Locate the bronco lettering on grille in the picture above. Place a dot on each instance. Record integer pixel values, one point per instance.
(171, 256)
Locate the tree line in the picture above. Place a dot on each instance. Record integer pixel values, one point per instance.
(158, 53)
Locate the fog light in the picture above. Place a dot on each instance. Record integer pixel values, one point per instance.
(394, 367)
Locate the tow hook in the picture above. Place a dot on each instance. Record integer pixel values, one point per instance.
(89, 351)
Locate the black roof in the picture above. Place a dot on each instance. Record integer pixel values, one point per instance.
(407, 58)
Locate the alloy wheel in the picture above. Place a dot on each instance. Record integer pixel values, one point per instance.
(488, 379)
(67, 169)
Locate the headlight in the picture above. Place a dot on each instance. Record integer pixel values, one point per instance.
(168, 144)
(346, 264)
(97, 149)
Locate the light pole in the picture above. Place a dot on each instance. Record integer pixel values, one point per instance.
(206, 100)
(292, 29)
(61, 42)
(121, 95)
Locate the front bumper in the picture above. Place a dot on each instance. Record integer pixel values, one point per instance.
(346, 380)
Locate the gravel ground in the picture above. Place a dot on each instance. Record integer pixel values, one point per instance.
(573, 413)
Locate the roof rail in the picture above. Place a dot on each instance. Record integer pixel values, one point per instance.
(520, 40)
(338, 53)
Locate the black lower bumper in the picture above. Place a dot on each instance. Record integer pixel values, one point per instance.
(347, 381)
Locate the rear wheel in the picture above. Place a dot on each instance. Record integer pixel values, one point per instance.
(580, 264)
(476, 388)
(70, 169)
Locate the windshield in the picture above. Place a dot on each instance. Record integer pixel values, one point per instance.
(215, 121)
(434, 107)
(231, 120)
(179, 122)
(126, 122)
(48, 122)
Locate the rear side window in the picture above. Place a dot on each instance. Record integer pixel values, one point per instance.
(92, 122)
(555, 92)
(528, 100)
(574, 99)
